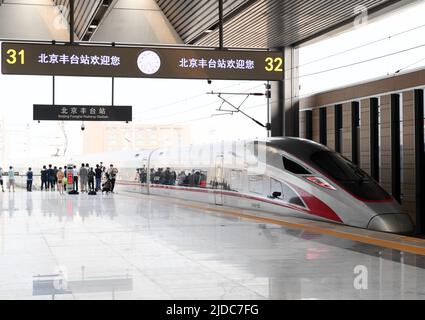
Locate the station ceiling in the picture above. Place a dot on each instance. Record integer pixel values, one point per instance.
(247, 23)
(264, 23)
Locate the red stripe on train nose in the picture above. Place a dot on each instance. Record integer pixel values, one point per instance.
(316, 206)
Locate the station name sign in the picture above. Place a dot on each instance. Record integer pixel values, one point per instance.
(81, 113)
(131, 62)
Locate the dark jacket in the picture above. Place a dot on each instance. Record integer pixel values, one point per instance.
(51, 174)
(98, 173)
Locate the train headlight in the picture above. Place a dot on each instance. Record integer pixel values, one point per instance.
(321, 182)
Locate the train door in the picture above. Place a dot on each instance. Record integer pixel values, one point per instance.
(219, 177)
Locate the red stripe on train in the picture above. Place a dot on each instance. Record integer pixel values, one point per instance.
(316, 206)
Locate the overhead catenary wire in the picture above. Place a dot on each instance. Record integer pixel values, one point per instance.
(194, 108)
(358, 62)
(345, 66)
(389, 37)
(410, 65)
(188, 99)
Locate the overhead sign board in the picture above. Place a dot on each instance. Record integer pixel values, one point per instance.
(81, 113)
(102, 61)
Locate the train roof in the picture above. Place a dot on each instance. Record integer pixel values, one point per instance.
(300, 148)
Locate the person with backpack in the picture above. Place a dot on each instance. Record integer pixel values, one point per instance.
(29, 180)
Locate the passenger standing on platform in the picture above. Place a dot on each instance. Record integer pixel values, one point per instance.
(59, 178)
(50, 178)
(55, 178)
(113, 175)
(91, 175)
(137, 177)
(1, 178)
(98, 174)
(43, 178)
(83, 178)
(75, 176)
(173, 178)
(29, 180)
(182, 178)
(11, 174)
(65, 173)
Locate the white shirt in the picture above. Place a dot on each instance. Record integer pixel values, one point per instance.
(75, 172)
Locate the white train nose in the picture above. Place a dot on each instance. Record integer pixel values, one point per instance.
(394, 223)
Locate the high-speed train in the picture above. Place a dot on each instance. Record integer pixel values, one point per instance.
(285, 176)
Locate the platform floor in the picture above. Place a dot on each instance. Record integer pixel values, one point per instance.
(128, 246)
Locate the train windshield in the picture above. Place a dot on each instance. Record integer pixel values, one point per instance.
(348, 176)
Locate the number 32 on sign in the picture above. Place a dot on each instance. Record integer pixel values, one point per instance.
(274, 64)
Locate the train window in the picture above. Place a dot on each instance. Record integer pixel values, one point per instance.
(165, 176)
(287, 194)
(191, 178)
(293, 167)
(336, 166)
(349, 176)
(276, 187)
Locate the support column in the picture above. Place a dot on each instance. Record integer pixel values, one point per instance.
(419, 160)
(284, 105)
(346, 147)
(306, 124)
(385, 150)
(330, 114)
(276, 109)
(355, 132)
(338, 128)
(71, 21)
(395, 147)
(303, 125)
(374, 138)
(409, 188)
(365, 136)
(323, 126)
(316, 125)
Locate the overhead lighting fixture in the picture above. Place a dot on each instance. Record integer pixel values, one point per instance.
(209, 31)
(93, 26)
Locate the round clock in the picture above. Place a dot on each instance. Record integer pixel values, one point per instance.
(149, 62)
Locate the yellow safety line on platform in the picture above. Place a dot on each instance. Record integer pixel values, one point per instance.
(293, 225)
